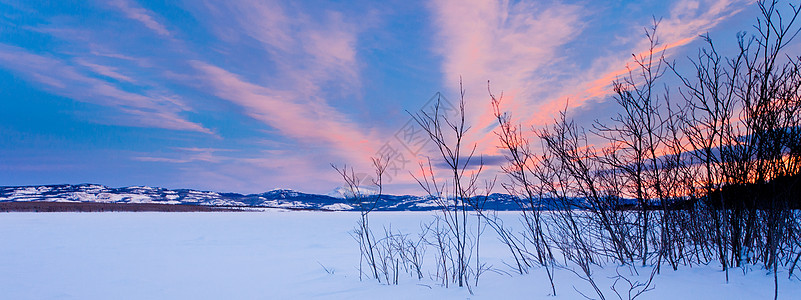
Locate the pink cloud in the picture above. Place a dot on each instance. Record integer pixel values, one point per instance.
(507, 43)
(310, 54)
(297, 115)
(144, 16)
(105, 71)
(688, 19)
(518, 46)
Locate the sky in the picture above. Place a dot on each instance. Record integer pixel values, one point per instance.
(247, 96)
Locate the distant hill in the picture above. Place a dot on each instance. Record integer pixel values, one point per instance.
(278, 198)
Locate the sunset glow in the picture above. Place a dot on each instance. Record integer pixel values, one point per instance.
(246, 96)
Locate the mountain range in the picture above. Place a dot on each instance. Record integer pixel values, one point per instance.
(278, 198)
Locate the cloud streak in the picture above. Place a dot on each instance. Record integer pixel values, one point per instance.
(314, 58)
(512, 44)
(308, 51)
(307, 120)
(687, 20)
(137, 13)
(57, 76)
(524, 50)
(188, 155)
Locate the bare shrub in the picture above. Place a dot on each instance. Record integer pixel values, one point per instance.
(455, 195)
(365, 203)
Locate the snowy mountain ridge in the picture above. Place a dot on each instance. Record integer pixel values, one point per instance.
(277, 198)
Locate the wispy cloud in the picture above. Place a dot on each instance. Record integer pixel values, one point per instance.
(303, 117)
(687, 20)
(105, 71)
(521, 48)
(188, 155)
(314, 58)
(232, 170)
(135, 12)
(512, 44)
(310, 60)
(260, 173)
(148, 109)
(314, 66)
(310, 51)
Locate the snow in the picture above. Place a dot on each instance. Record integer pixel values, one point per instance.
(278, 255)
(337, 206)
(345, 193)
(428, 203)
(31, 191)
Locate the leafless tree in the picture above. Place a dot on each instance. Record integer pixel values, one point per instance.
(637, 135)
(455, 193)
(365, 203)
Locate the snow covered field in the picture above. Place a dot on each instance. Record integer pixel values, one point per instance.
(277, 255)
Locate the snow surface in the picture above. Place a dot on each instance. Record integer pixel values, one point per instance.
(277, 255)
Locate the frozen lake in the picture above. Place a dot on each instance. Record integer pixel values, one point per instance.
(275, 255)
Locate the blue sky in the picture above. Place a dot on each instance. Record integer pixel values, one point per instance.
(246, 96)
